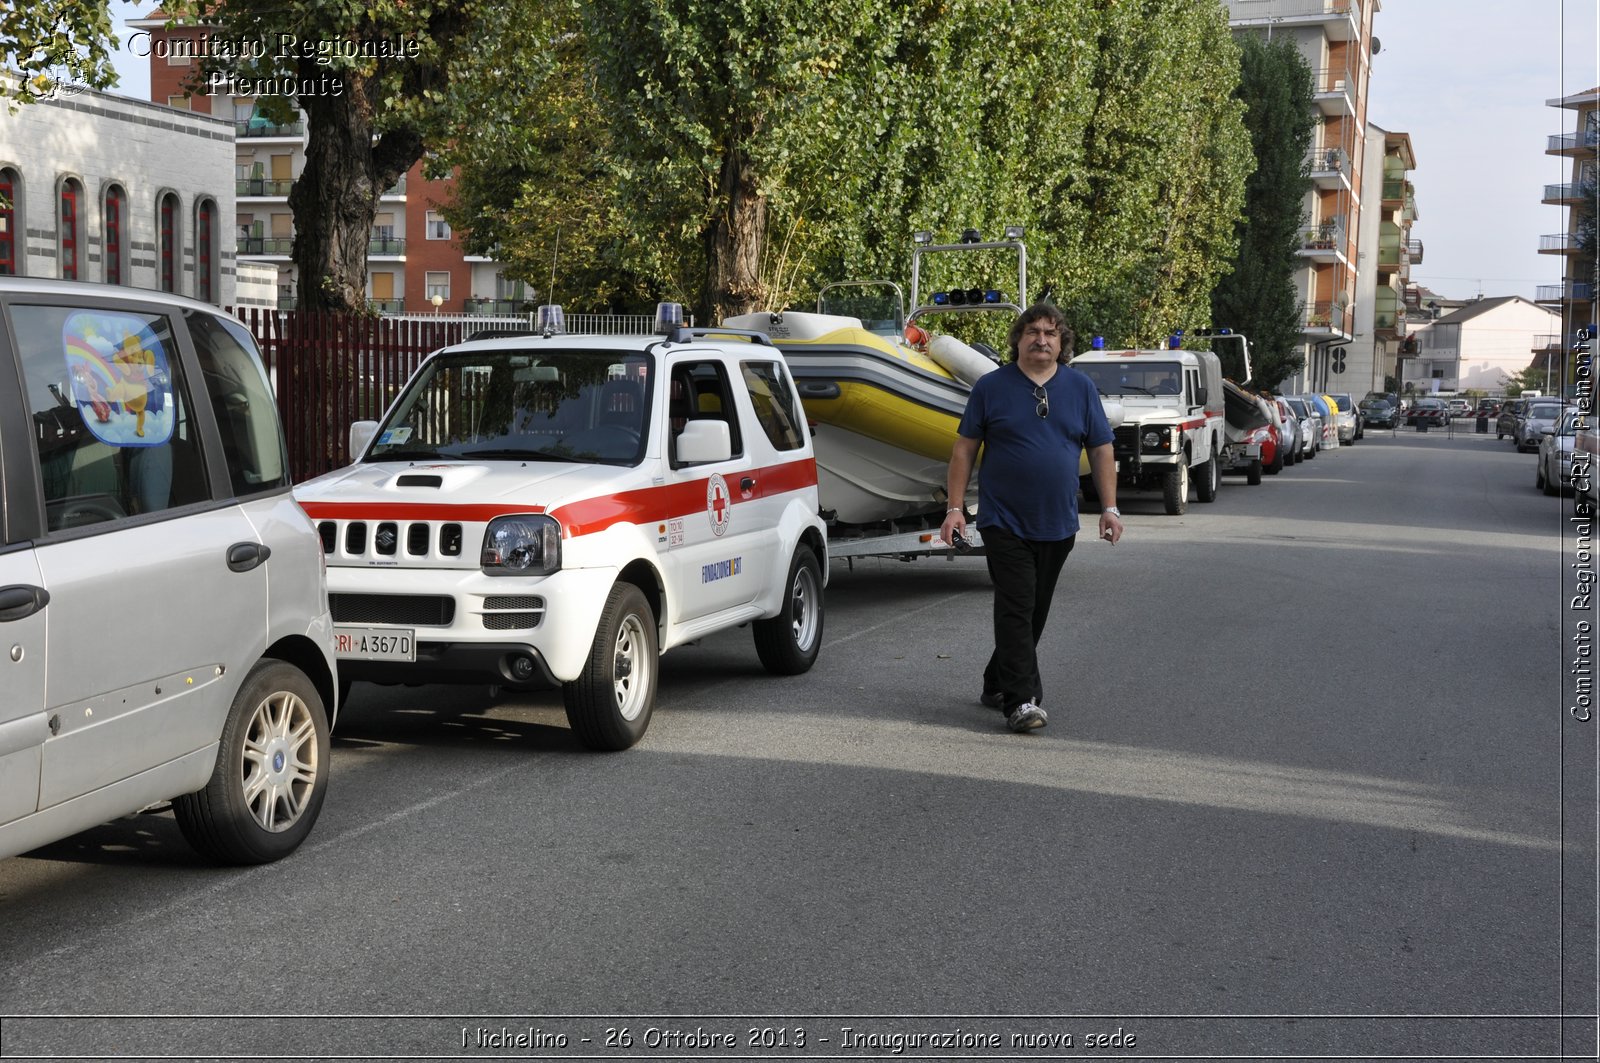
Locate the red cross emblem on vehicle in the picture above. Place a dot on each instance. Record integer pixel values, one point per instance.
(717, 503)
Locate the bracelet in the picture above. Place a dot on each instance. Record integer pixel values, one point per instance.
(952, 509)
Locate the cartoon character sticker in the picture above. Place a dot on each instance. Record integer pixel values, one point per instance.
(119, 375)
(718, 503)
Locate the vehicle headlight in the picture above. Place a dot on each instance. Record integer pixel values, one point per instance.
(522, 545)
(1157, 439)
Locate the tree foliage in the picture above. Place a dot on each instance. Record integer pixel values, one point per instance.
(376, 82)
(1259, 297)
(48, 43)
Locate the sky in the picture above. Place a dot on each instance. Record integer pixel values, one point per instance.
(1468, 80)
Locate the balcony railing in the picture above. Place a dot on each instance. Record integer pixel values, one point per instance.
(1562, 194)
(386, 245)
(387, 306)
(262, 186)
(1570, 292)
(265, 245)
(1583, 140)
(260, 127)
(1343, 17)
(398, 188)
(1327, 160)
(1560, 243)
(1328, 236)
(1414, 251)
(1324, 316)
(496, 307)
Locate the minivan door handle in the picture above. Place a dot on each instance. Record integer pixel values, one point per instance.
(20, 601)
(242, 557)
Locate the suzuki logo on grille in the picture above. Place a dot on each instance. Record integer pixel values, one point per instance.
(386, 540)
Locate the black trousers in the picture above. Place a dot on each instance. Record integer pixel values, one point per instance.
(1024, 573)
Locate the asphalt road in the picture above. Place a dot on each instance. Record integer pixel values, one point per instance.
(1310, 787)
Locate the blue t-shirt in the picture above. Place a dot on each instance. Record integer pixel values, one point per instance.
(1029, 478)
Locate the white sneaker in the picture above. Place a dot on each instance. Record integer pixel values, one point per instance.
(1027, 717)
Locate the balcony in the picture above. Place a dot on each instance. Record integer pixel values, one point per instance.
(1572, 145)
(1325, 243)
(387, 306)
(259, 127)
(1570, 292)
(1336, 91)
(276, 246)
(1329, 168)
(1563, 195)
(1325, 320)
(1388, 314)
(1559, 244)
(1339, 19)
(496, 307)
(396, 189)
(386, 247)
(260, 187)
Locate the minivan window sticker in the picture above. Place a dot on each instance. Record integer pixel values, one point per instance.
(120, 378)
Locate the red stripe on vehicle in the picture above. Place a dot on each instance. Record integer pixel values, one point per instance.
(646, 505)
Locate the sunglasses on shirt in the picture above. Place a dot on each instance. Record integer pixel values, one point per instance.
(1043, 409)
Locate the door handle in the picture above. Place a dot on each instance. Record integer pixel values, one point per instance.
(242, 557)
(20, 601)
(748, 483)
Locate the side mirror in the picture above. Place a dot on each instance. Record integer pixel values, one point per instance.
(703, 441)
(361, 433)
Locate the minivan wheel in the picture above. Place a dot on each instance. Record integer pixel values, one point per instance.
(610, 703)
(788, 643)
(271, 772)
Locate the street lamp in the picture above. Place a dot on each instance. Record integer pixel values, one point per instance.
(437, 301)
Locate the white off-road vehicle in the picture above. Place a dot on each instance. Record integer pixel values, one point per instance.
(1172, 428)
(558, 510)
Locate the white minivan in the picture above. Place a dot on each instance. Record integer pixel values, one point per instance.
(164, 627)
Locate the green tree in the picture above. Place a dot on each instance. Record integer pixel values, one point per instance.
(47, 42)
(375, 81)
(1258, 297)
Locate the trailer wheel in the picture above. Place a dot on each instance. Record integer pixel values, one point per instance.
(1175, 490)
(1252, 475)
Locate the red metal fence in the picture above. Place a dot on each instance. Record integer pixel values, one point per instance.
(331, 369)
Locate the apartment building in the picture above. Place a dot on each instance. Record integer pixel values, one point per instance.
(1383, 278)
(1475, 346)
(1335, 37)
(1574, 298)
(414, 262)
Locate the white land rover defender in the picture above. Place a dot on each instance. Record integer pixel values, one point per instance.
(556, 510)
(1172, 426)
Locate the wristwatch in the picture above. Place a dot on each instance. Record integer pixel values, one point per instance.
(953, 509)
(1113, 510)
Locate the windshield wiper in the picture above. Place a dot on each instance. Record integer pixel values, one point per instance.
(520, 455)
(408, 455)
(1135, 387)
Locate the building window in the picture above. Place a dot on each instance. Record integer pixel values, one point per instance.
(10, 211)
(68, 224)
(180, 103)
(167, 242)
(438, 284)
(116, 214)
(438, 228)
(205, 251)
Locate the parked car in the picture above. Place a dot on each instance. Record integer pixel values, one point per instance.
(1380, 413)
(1292, 431)
(1487, 408)
(1555, 455)
(1505, 422)
(161, 593)
(1538, 416)
(1459, 407)
(1430, 412)
(1351, 422)
(1310, 434)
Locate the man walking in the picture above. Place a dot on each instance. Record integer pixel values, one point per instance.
(1033, 418)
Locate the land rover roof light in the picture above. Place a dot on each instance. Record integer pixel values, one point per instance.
(669, 318)
(550, 319)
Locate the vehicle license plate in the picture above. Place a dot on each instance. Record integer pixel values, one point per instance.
(374, 644)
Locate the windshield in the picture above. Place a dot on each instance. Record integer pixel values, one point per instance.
(1134, 378)
(1543, 413)
(553, 405)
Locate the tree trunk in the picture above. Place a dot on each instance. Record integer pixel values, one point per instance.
(734, 243)
(335, 198)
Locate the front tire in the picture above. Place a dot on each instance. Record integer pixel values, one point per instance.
(609, 704)
(788, 643)
(1175, 490)
(271, 772)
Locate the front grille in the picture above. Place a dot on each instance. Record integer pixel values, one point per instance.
(509, 612)
(1125, 440)
(385, 538)
(414, 610)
